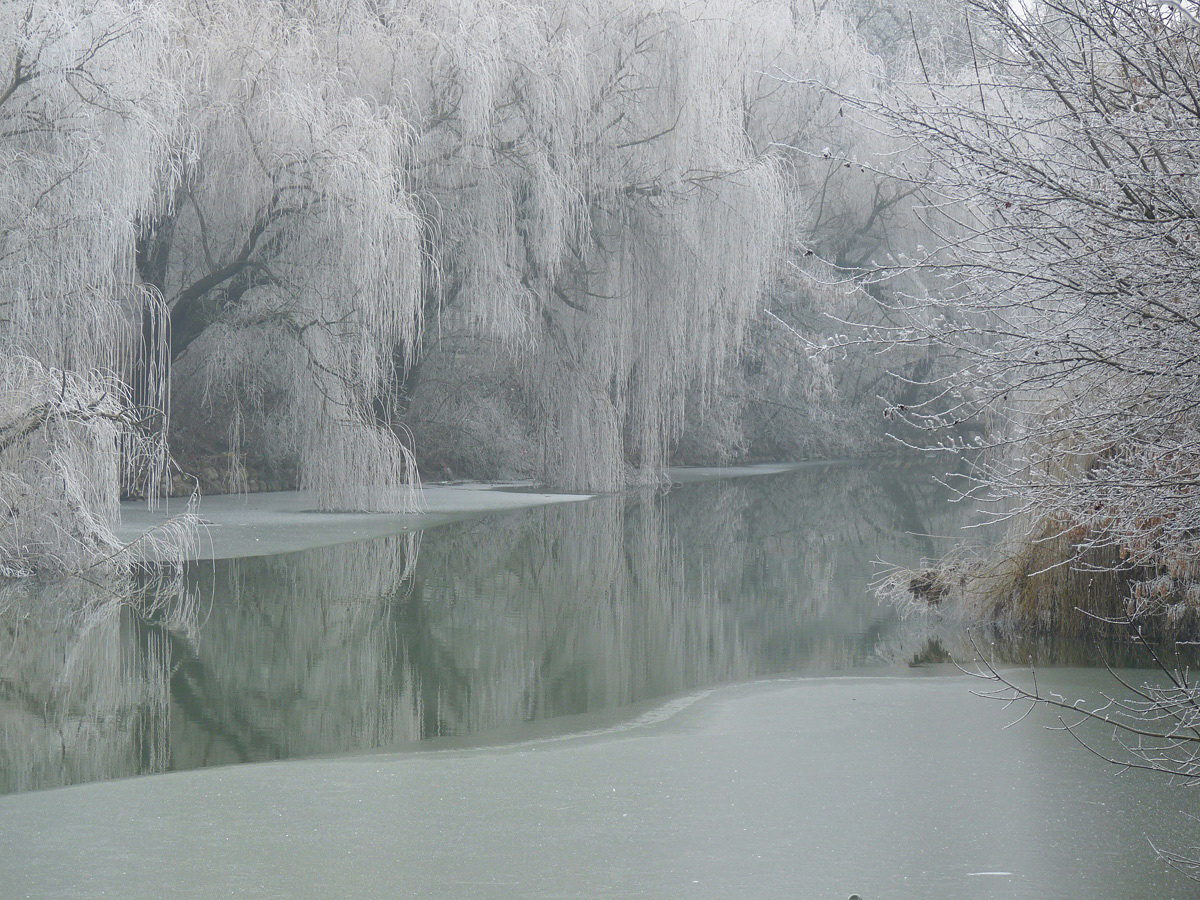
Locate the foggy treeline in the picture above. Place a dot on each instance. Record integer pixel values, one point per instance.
(327, 244)
(330, 244)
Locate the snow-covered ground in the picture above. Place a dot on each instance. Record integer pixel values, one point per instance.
(239, 525)
(686, 474)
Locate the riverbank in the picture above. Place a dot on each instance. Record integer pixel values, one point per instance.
(240, 525)
(259, 524)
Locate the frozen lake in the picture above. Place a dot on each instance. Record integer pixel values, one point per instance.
(890, 787)
(682, 695)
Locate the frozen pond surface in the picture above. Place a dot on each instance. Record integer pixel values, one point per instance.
(894, 788)
(566, 700)
(240, 525)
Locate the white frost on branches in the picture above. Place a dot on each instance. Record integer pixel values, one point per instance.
(1069, 150)
(278, 209)
(85, 124)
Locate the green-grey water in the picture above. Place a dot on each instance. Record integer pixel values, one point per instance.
(644, 646)
(506, 619)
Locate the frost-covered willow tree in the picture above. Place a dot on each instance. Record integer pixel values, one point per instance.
(851, 215)
(86, 122)
(291, 205)
(779, 399)
(595, 209)
(572, 184)
(706, 140)
(289, 256)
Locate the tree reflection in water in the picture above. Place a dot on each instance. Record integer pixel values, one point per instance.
(551, 611)
(84, 678)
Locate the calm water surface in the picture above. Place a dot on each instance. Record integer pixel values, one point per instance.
(508, 619)
(566, 619)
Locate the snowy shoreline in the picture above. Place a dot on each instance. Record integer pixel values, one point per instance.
(241, 525)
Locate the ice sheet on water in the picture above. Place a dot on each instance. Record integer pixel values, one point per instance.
(900, 787)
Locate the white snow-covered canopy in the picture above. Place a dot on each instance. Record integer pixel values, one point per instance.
(281, 204)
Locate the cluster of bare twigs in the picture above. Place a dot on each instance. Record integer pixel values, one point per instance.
(1151, 725)
(1065, 192)
(1154, 726)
